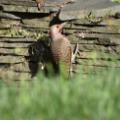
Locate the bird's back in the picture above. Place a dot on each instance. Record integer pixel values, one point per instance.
(61, 52)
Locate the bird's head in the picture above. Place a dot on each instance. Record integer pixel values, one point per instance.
(56, 29)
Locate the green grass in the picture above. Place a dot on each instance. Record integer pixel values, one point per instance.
(87, 97)
(118, 1)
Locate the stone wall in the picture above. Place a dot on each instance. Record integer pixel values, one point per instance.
(24, 38)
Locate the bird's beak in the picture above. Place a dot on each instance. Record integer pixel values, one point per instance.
(61, 26)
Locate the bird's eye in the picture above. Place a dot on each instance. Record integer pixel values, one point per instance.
(57, 26)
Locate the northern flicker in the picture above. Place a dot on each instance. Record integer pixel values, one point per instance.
(61, 49)
(40, 3)
(60, 46)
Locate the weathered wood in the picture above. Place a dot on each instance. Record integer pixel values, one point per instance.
(17, 39)
(79, 9)
(100, 48)
(15, 51)
(21, 67)
(8, 16)
(18, 2)
(24, 67)
(82, 13)
(98, 55)
(14, 45)
(95, 70)
(8, 75)
(11, 59)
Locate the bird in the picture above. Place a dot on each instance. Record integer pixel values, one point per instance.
(40, 3)
(61, 50)
(60, 46)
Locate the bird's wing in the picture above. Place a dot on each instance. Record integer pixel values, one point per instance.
(65, 63)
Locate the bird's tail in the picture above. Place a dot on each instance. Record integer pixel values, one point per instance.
(73, 58)
(74, 53)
